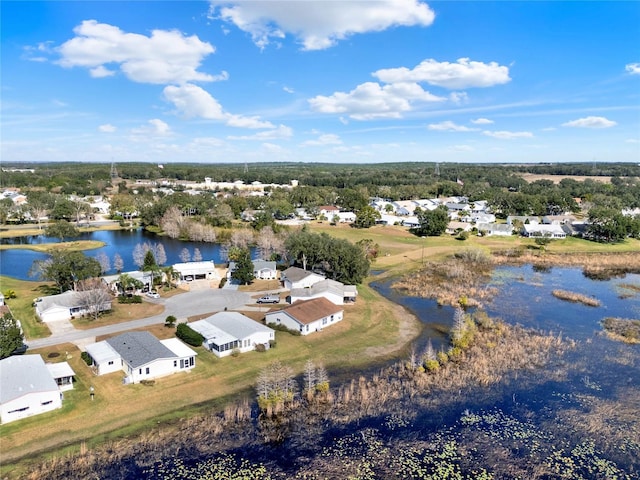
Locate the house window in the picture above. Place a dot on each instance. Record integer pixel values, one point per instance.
(182, 363)
(192, 361)
(23, 409)
(46, 403)
(332, 318)
(147, 371)
(324, 320)
(175, 363)
(140, 372)
(307, 328)
(111, 362)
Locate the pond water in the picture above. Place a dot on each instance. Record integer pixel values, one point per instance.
(16, 263)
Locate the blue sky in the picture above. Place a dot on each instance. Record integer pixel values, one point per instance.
(320, 81)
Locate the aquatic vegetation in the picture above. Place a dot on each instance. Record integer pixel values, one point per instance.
(229, 467)
(623, 329)
(576, 297)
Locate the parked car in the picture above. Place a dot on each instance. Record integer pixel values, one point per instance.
(153, 294)
(269, 299)
(188, 278)
(21, 350)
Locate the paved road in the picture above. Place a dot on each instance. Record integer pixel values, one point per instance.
(181, 306)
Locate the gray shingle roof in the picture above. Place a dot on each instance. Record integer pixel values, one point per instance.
(139, 348)
(295, 274)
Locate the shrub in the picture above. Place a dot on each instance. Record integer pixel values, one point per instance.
(148, 383)
(462, 235)
(474, 255)
(283, 328)
(188, 335)
(272, 344)
(431, 365)
(442, 357)
(87, 358)
(223, 282)
(170, 321)
(126, 300)
(261, 348)
(235, 352)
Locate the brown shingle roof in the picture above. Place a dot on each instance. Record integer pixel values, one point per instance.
(308, 311)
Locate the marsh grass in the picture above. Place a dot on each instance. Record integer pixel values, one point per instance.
(576, 297)
(622, 329)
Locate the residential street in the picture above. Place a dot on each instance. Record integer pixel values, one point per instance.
(181, 306)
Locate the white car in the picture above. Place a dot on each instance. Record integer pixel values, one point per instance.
(153, 294)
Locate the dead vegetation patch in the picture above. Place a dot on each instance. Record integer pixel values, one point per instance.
(622, 329)
(576, 297)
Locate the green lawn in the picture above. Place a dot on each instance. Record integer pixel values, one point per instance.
(22, 305)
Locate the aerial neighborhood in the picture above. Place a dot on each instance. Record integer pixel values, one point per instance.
(303, 283)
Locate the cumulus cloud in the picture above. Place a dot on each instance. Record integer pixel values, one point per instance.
(459, 97)
(326, 139)
(167, 56)
(633, 68)
(279, 133)
(107, 128)
(155, 127)
(590, 122)
(318, 25)
(193, 101)
(464, 73)
(506, 135)
(482, 121)
(371, 100)
(449, 126)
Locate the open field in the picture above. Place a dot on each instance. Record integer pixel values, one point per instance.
(532, 177)
(8, 231)
(49, 247)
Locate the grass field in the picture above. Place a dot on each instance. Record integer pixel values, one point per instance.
(373, 329)
(49, 247)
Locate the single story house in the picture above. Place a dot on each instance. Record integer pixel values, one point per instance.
(262, 269)
(65, 306)
(558, 219)
(307, 316)
(336, 292)
(528, 219)
(502, 229)
(113, 281)
(328, 211)
(542, 230)
(294, 277)
(62, 374)
(26, 388)
(141, 356)
(225, 331)
(205, 270)
(455, 227)
(345, 217)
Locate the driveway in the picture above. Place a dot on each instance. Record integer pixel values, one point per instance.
(181, 306)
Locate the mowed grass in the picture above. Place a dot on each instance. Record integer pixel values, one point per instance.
(77, 245)
(372, 330)
(22, 305)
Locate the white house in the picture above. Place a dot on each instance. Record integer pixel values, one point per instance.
(262, 269)
(113, 281)
(294, 277)
(65, 306)
(205, 270)
(62, 374)
(307, 316)
(334, 291)
(141, 356)
(501, 229)
(528, 219)
(543, 230)
(225, 331)
(26, 388)
(328, 211)
(345, 217)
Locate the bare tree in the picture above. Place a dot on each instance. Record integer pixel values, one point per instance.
(458, 328)
(103, 260)
(37, 213)
(209, 234)
(118, 263)
(241, 238)
(310, 376)
(80, 207)
(160, 254)
(196, 231)
(93, 296)
(269, 243)
(185, 256)
(138, 254)
(276, 386)
(173, 223)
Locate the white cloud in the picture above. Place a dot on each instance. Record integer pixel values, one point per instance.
(319, 24)
(449, 126)
(101, 72)
(326, 139)
(288, 89)
(107, 128)
(370, 100)
(463, 74)
(590, 122)
(506, 135)
(632, 140)
(461, 148)
(167, 56)
(459, 97)
(482, 121)
(155, 127)
(282, 132)
(633, 68)
(195, 102)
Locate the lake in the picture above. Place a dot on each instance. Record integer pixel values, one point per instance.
(17, 262)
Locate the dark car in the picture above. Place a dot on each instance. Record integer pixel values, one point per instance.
(22, 349)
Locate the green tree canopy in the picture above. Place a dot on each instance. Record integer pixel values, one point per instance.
(10, 335)
(366, 217)
(432, 222)
(66, 268)
(61, 230)
(243, 272)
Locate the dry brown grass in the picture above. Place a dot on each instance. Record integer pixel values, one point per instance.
(532, 177)
(622, 329)
(120, 313)
(576, 297)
